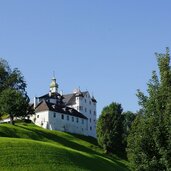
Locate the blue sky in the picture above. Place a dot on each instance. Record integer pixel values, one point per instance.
(104, 46)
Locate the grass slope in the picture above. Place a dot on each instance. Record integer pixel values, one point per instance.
(29, 147)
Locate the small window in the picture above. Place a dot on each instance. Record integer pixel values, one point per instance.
(72, 119)
(80, 107)
(77, 120)
(90, 128)
(94, 112)
(67, 118)
(54, 115)
(82, 121)
(37, 116)
(62, 116)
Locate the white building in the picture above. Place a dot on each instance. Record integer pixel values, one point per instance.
(75, 113)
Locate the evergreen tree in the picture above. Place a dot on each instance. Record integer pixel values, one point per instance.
(149, 141)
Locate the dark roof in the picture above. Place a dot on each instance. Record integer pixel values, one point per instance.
(44, 106)
(69, 99)
(93, 99)
(53, 95)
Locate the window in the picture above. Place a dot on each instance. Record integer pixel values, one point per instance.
(82, 121)
(77, 120)
(90, 128)
(67, 118)
(72, 119)
(94, 112)
(37, 116)
(80, 107)
(62, 116)
(54, 115)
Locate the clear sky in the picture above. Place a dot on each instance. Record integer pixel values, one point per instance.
(104, 46)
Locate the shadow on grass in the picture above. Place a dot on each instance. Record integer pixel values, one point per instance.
(45, 135)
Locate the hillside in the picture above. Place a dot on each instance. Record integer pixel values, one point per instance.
(29, 147)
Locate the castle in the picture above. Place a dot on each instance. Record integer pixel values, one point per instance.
(74, 113)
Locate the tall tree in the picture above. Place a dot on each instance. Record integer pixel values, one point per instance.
(110, 129)
(149, 141)
(13, 96)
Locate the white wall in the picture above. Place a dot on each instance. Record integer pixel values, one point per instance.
(85, 106)
(42, 119)
(57, 123)
(53, 121)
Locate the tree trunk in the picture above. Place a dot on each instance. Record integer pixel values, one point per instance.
(12, 119)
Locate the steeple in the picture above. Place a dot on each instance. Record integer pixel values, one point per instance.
(53, 85)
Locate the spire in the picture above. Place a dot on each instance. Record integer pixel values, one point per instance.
(53, 85)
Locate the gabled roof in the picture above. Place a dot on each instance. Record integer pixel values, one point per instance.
(46, 106)
(69, 99)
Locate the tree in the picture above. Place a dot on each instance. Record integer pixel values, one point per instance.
(110, 129)
(128, 118)
(13, 96)
(13, 103)
(149, 141)
(11, 78)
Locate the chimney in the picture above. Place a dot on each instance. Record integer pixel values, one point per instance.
(35, 102)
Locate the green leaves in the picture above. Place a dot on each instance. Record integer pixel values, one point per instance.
(13, 95)
(149, 140)
(110, 129)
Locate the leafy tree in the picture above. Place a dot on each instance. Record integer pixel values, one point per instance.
(11, 78)
(13, 95)
(13, 103)
(128, 118)
(110, 129)
(149, 141)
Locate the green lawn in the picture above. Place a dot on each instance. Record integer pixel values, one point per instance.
(29, 147)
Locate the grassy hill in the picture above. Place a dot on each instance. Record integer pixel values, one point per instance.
(29, 147)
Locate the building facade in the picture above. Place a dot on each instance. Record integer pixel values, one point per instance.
(74, 113)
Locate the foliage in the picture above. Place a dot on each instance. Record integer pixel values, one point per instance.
(128, 118)
(29, 147)
(13, 95)
(13, 103)
(110, 129)
(149, 141)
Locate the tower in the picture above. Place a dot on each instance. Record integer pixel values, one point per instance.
(53, 86)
